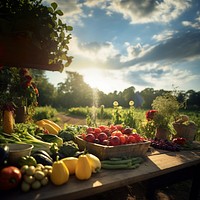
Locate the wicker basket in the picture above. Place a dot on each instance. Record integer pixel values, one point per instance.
(105, 152)
(186, 131)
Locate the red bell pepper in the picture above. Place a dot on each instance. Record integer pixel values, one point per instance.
(10, 177)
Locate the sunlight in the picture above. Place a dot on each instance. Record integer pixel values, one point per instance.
(102, 80)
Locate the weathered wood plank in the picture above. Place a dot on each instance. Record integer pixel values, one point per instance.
(154, 166)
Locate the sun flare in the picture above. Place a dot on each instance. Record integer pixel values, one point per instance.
(102, 80)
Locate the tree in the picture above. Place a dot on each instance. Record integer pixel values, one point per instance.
(74, 91)
(33, 36)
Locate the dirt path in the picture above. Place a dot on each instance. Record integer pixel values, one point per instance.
(64, 119)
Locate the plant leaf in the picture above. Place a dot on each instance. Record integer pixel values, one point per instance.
(54, 5)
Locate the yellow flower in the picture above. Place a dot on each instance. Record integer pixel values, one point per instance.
(115, 103)
(131, 103)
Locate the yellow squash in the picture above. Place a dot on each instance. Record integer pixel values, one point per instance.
(59, 174)
(70, 162)
(94, 162)
(47, 126)
(56, 126)
(83, 169)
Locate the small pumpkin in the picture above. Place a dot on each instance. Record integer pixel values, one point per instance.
(83, 169)
(60, 173)
(70, 162)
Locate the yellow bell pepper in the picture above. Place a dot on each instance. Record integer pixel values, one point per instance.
(60, 173)
(83, 169)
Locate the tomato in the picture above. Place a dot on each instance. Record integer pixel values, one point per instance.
(10, 177)
(122, 139)
(117, 133)
(102, 127)
(89, 129)
(114, 141)
(89, 137)
(97, 130)
(131, 139)
(119, 127)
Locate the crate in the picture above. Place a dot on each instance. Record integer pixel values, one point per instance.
(105, 152)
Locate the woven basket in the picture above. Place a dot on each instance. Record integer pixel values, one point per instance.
(186, 131)
(105, 152)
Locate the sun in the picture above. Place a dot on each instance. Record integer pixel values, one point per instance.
(99, 79)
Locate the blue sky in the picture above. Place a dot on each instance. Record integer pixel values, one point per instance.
(142, 43)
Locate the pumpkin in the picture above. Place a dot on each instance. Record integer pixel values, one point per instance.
(83, 169)
(70, 163)
(60, 173)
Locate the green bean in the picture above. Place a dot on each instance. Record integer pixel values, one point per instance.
(116, 162)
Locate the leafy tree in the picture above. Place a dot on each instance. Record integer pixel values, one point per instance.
(74, 91)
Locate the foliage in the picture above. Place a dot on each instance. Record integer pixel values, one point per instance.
(40, 24)
(19, 89)
(46, 112)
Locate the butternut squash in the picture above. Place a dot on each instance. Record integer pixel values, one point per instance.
(60, 173)
(83, 169)
(71, 163)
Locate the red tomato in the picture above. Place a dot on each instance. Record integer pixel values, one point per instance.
(102, 127)
(113, 128)
(137, 137)
(131, 139)
(102, 136)
(89, 129)
(114, 141)
(10, 177)
(122, 139)
(83, 135)
(116, 133)
(89, 137)
(97, 130)
(119, 127)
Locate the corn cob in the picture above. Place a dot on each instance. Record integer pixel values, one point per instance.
(8, 121)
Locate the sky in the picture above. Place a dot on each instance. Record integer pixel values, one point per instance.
(117, 44)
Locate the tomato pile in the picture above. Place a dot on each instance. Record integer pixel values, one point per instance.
(112, 135)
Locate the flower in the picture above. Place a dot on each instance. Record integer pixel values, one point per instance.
(18, 87)
(150, 114)
(131, 103)
(115, 103)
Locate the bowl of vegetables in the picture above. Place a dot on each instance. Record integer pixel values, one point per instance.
(16, 151)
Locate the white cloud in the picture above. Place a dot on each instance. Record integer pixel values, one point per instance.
(195, 24)
(145, 11)
(165, 35)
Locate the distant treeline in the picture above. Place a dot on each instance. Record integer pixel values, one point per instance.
(74, 92)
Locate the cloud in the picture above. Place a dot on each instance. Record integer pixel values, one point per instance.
(194, 24)
(145, 11)
(165, 35)
(182, 47)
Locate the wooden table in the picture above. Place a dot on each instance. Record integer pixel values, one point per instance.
(156, 165)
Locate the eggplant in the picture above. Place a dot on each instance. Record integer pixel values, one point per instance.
(4, 152)
(43, 153)
(42, 159)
